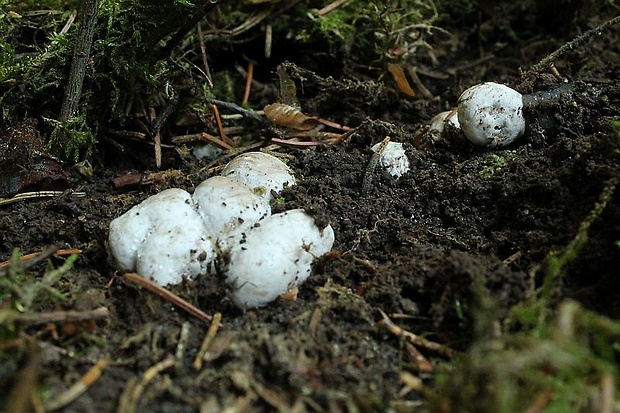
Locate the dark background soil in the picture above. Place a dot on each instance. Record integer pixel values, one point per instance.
(413, 247)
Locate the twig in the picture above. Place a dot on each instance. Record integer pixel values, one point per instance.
(202, 136)
(80, 387)
(206, 343)
(79, 61)
(167, 295)
(34, 195)
(53, 316)
(544, 63)
(183, 336)
(372, 165)
(248, 84)
(331, 7)
(220, 126)
(203, 54)
(415, 339)
(133, 391)
(421, 363)
(416, 80)
(33, 259)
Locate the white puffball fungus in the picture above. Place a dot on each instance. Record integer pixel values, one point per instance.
(441, 120)
(261, 172)
(229, 207)
(393, 158)
(275, 256)
(163, 238)
(491, 114)
(228, 220)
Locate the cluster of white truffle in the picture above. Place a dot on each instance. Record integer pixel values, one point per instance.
(227, 221)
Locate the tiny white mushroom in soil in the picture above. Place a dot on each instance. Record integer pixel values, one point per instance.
(228, 207)
(491, 114)
(393, 158)
(261, 172)
(441, 120)
(163, 238)
(274, 256)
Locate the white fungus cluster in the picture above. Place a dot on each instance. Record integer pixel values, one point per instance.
(489, 114)
(228, 220)
(393, 158)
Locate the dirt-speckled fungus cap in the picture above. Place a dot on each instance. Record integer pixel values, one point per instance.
(491, 114)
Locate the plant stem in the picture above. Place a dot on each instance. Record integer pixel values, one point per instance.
(79, 62)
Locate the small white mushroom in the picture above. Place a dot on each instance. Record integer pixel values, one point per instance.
(393, 158)
(228, 207)
(261, 172)
(163, 238)
(274, 257)
(441, 120)
(491, 114)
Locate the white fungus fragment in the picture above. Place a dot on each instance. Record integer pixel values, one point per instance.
(275, 256)
(229, 207)
(491, 114)
(163, 238)
(261, 172)
(393, 158)
(441, 120)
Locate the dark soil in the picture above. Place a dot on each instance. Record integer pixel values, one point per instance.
(420, 248)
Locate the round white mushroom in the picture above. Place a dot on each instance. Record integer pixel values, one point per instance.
(275, 256)
(491, 114)
(261, 172)
(393, 158)
(228, 207)
(163, 238)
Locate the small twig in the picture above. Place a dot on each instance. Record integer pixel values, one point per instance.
(53, 317)
(421, 363)
(202, 136)
(268, 40)
(415, 339)
(334, 125)
(167, 295)
(331, 7)
(250, 114)
(544, 63)
(34, 195)
(416, 80)
(372, 165)
(30, 260)
(206, 343)
(183, 336)
(220, 125)
(133, 391)
(248, 84)
(80, 387)
(203, 54)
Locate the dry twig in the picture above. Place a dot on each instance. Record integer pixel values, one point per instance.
(167, 295)
(206, 343)
(76, 390)
(415, 339)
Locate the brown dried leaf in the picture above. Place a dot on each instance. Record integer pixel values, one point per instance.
(401, 80)
(285, 115)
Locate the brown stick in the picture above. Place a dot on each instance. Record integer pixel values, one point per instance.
(79, 61)
(167, 295)
(54, 316)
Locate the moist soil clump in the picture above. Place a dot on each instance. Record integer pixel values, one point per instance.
(465, 231)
